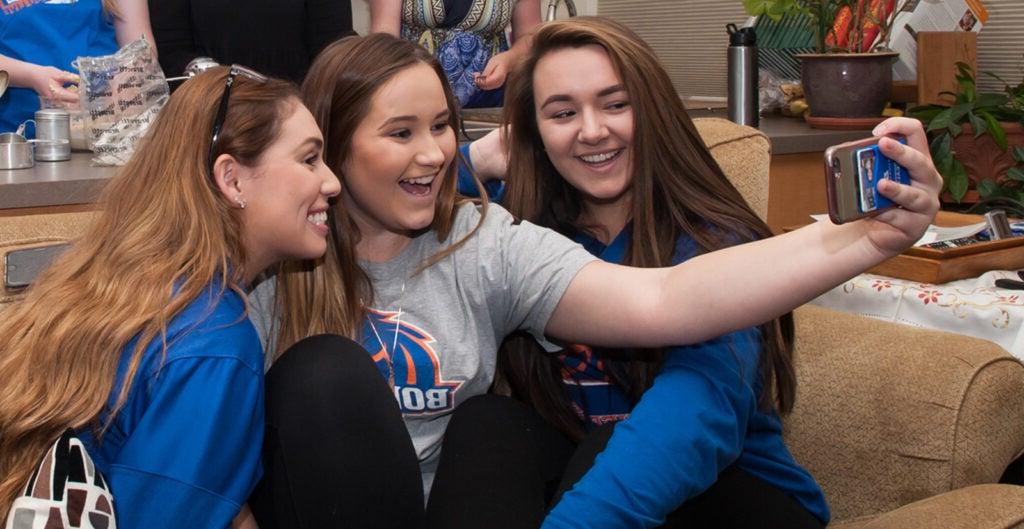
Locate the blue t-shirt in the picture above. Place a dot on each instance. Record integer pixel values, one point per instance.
(700, 416)
(185, 449)
(48, 33)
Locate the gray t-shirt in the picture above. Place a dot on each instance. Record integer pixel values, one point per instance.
(447, 321)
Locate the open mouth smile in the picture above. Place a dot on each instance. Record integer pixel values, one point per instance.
(417, 186)
(600, 158)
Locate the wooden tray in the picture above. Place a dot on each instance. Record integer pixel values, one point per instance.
(932, 265)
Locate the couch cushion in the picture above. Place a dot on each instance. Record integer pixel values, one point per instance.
(977, 507)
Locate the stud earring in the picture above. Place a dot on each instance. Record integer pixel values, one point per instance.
(241, 202)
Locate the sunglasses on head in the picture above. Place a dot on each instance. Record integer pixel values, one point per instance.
(222, 108)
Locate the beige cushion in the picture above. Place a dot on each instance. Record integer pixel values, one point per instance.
(980, 506)
(888, 414)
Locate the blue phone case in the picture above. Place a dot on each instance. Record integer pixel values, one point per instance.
(873, 166)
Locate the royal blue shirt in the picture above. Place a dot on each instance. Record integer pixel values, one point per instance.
(48, 33)
(700, 415)
(185, 449)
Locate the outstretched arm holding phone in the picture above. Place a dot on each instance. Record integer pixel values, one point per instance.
(749, 284)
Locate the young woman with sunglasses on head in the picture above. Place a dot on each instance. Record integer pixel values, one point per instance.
(440, 282)
(137, 338)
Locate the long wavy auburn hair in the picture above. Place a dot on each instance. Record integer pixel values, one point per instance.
(312, 297)
(163, 234)
(677, 189)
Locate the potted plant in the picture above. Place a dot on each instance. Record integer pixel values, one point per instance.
(977, 143)
(850, 76)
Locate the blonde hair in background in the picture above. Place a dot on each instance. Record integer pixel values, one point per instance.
(328, 295)
(165, 233)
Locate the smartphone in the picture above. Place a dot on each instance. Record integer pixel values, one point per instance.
(22, 266)
(852, 173)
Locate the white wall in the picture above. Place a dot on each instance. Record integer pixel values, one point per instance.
(361, 12)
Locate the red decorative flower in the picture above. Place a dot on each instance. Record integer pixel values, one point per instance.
(881, 284)
(929, 296)
(1009, 299)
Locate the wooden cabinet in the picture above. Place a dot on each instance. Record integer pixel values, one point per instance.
(796, 189)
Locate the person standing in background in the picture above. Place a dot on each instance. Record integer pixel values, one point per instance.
(467, 37)
(42, 37)
(278, 38)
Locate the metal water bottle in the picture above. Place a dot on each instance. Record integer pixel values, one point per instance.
(743, 98)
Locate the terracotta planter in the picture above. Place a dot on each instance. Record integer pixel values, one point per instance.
(982, 157)
(847, 85)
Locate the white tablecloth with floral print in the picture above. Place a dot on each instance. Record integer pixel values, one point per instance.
(969, 306)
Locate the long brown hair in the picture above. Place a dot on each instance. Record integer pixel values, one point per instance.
(677, 190)
(163, 235)
(339, 91)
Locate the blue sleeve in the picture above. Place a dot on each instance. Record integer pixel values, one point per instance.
(687, 427)
(466, 183)
(193, 457)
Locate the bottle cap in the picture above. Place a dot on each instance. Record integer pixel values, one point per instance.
(742, 36)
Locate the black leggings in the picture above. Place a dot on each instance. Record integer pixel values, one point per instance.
(337, 454)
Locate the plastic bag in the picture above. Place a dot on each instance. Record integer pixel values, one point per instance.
(121, 95)
(770, 97)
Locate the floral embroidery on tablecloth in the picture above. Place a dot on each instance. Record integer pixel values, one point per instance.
(929, 296)
(881, 284)
(953, 296)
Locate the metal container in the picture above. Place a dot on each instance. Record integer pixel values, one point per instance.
(742, 62)
(53, 135)
(15, 152)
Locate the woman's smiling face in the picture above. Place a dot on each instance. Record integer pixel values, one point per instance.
(286, 195)
(399, 155)
(585, 120)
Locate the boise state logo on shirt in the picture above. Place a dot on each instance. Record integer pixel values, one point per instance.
(404, 354)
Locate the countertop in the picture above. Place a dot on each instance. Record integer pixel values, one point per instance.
(75, 181)
(79, 182)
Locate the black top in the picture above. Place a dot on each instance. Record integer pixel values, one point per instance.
(275, 37)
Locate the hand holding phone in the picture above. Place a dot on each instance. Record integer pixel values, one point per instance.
(853, 171)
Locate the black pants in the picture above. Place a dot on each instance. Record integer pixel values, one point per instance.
(337, 455)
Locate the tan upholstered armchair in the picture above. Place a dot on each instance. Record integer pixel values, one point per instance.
(902, 427)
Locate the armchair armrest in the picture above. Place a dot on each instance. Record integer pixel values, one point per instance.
(887, 414)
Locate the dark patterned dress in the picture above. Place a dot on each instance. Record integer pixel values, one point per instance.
(463, 35)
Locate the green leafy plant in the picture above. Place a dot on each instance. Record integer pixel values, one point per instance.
(839, 26)
(985, 113)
